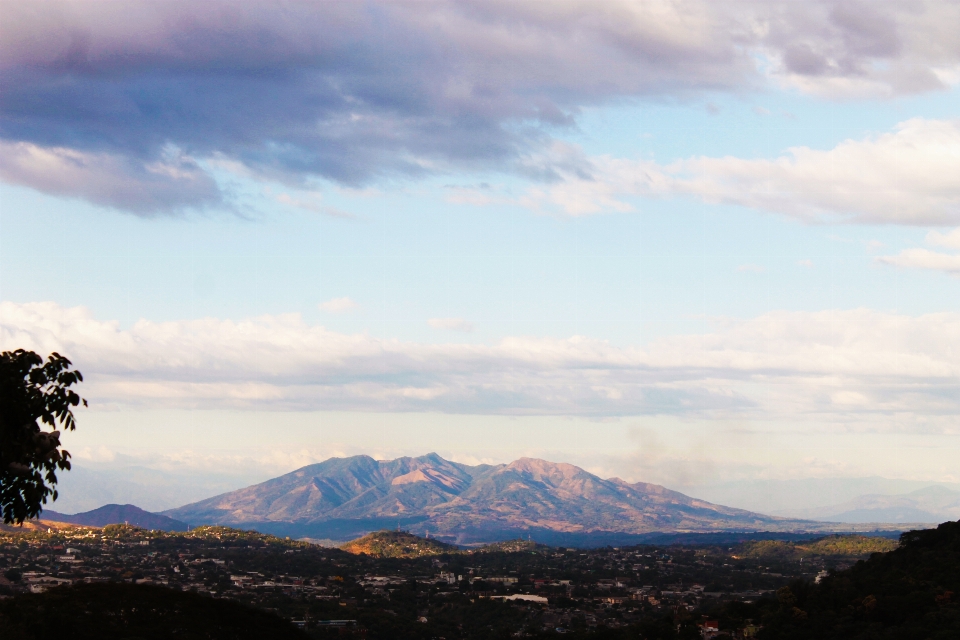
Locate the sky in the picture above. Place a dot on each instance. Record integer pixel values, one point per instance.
(677, 241)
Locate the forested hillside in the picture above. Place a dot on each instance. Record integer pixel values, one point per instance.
(908, 593)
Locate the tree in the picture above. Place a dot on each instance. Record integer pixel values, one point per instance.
(33, 392)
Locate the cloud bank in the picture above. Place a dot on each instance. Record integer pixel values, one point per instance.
(908, 176)
(362, 92)
(842, 366)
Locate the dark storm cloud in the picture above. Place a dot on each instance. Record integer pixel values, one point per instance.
(166, 183)
(356, 92)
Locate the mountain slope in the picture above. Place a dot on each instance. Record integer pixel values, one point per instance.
(562, 497)
(356, 487)
(468, 503)
(118, 514)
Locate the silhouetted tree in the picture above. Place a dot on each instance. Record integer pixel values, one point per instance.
(33, 392)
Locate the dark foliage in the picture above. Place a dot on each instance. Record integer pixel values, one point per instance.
(31, 393)
(147, 612)
(911, 593)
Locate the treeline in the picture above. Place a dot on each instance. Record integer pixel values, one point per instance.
(906, 594)
(836, 546)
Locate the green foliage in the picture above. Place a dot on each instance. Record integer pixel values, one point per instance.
(217, 535)
(31, 393)
(401, 544)
(848, 546)
(837, 546)
(226, 535)
(127, 532)
(512, 546)
(120, 610)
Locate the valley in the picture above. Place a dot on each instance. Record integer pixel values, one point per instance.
(397, 585)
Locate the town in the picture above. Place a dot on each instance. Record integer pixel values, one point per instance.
(414, 587)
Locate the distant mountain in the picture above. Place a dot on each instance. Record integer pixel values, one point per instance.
(118, 514)
(932, 504)
(798, 498)
(343, 497)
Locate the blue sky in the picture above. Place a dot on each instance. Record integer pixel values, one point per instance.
(683, 249)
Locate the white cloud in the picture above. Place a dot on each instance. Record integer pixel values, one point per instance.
(450, 324)
(905, 177)
(887, 369)
(338, 305)
(925, 259)
(908, 177)
(805, 263)
(917, 258)
(951, 239)
(91, 454)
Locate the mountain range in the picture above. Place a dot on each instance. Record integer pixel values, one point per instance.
(342, 498)
(809, 498)
(931, 504)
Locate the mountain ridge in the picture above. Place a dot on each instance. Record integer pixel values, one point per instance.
(468, 503)
(929, 504)
(799, 497)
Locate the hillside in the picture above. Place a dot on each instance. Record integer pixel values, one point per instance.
(512, 546)
(343, 498)
(850, 546)
(909, 592)
(397, 544)
(39, 526)
(118, 514)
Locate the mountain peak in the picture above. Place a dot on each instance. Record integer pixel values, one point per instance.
(118, 514)
(536, 465)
